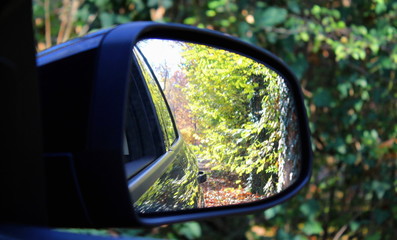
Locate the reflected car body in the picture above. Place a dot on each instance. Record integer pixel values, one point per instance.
(177, 189)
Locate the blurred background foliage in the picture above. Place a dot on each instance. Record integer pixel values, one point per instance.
(344, 53)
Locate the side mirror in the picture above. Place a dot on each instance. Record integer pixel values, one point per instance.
(182, 124)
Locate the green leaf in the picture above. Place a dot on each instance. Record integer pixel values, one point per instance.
(152, 3)
(380, 188)
(316, 11)
(167, 4)
(304, 36)
(362, 82)
(349, 159)
(322, 98)
(339, 145)
(122, 19)
(344, 89)
(215, 4)
(381, 215)
(380, 6)
(101, 3)
(294, 6)
(354, 226)
(272, 212)
(299, 65)
(283, 235)
(358, 105)
(310, 208)
(190, 20)
(190, 230)
(312, 227)
(271, 16)
(211, 13)
(271, 37)
(107, 19)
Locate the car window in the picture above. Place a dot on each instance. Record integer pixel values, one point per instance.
(163, 114)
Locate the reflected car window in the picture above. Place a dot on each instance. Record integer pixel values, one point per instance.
(163, 114)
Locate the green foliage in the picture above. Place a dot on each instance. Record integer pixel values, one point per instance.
(345, 55)
(242, 111)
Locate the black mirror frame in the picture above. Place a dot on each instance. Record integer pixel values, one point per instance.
(104, 183)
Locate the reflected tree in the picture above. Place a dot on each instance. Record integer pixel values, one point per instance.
(244, 115)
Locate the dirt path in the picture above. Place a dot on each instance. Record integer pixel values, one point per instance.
(222, 189)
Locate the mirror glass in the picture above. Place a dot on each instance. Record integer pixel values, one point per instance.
(238, 122)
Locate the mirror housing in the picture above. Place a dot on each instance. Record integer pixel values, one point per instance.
(96, 171)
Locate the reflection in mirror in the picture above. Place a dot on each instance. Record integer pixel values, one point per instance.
(238, 122)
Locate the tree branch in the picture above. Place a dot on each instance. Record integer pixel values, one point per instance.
(48, 42)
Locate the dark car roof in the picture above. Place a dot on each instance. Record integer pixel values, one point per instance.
(71, 47)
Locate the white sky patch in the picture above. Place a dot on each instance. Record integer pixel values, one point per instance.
(161, 52)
